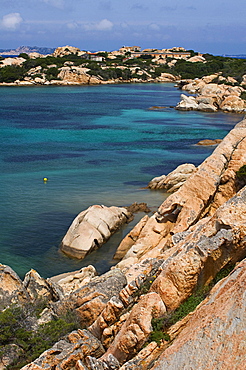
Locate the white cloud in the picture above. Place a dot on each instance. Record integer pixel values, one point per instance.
(154, 27)
(11, 21)
(103, 25)
(72, 25)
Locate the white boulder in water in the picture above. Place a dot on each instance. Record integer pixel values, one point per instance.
(91, 228)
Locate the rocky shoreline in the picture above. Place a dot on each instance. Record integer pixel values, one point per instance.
(211, 93)
(197, 232)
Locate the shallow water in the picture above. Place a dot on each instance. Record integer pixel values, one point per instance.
(96, 145)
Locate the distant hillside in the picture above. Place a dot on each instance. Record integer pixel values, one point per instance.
(27, 50)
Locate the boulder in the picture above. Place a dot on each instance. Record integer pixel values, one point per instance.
(187, 103)
(71, 281)
(12, 289)
(67, 352)
(65, 50)
(40, 288)
(137, 327)
(76, 76)
(196, 58)
(90, 300)
(243, 80)
(167, 77)
(130, 239)
(174, 180)
(214, 335)
(91, 228)
(233, 104)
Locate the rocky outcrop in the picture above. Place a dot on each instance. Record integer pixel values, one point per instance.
(76, 76)
(40, 288)
(65, 50)
(197, 231)
(91, 228)
(199, 253)
(167, 77)
(66, 353)
(90, 300)
(12, 289)
(212, 97)
(174, 180)
(214, 335)
(71, 281)
(209, 187)
(12, 62)
(136, 329)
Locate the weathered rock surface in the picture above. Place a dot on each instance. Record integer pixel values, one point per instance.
(91, 228)
(214, 336)
(40, 288)
(90, 300)
(65, 50)
(212, 97)
(71, 281)
(210, 186)
(67, 352)
(76, 75)
(201, 252)
(174, 180)
(137, 327)
(12, 289)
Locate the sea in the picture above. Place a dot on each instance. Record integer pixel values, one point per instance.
(95, 145)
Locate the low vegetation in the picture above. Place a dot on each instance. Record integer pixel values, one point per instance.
(16, 327)
(125, 68)
(160, 325)
(241, 176)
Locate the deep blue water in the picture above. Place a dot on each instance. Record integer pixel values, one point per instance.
(96, 145)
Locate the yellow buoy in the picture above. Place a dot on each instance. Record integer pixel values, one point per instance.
(45, 179)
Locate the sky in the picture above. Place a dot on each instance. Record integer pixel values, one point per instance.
(213, 26)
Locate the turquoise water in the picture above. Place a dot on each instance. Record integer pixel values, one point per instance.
(96, 145)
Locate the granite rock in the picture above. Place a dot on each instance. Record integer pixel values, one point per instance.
(214, 337)
(91, 228)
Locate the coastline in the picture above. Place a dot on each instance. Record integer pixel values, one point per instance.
(167, 260)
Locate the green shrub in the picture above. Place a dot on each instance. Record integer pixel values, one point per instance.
(161, 325)
(243, 95)
(13, 329)
(11, 73)
(241, 176)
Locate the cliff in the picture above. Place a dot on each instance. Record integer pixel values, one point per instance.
(142, 313)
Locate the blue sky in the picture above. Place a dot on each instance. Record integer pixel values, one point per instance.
(213, 26)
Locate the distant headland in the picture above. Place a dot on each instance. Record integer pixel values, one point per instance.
(218, 81)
